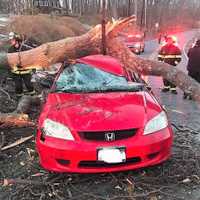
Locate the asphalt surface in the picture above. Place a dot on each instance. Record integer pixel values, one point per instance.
(181, 112)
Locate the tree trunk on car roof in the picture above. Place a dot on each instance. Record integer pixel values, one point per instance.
(149, 67)
(90, 43)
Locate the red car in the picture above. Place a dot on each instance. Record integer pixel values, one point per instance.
(100, 118)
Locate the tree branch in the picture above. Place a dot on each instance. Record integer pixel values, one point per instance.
(154, 68)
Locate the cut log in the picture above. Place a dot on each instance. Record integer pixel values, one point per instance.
(19, 117)
(8, 120)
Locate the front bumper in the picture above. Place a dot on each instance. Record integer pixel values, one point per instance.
(81, 156)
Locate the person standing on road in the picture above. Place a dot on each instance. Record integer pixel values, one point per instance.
(170, 53)
(193, 66)
(19, 74)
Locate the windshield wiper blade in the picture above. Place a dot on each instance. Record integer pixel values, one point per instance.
(121, 90)
(130, 88)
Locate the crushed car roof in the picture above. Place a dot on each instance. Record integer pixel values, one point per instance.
(105, 63)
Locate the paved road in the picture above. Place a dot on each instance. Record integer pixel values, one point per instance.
(182, 112)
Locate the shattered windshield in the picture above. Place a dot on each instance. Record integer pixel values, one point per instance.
(84, 78)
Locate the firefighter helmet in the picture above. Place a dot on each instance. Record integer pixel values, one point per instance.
(13, 35)
(172, 39)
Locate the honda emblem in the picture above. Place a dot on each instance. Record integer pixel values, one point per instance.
(110, 136)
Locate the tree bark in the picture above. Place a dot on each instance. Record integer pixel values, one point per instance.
(59, 51)
(8, 120)
(90, 43)
(154, 68)
(45, 55)
(20, 118)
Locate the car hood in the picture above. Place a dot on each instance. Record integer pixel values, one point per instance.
(107, 111)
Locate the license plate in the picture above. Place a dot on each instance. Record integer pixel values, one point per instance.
(111, 154)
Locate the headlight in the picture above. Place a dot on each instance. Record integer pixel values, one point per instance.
(57, 130)
(157, 123)
(137, 45)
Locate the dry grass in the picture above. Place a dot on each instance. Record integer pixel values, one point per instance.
(91, 19)
(45, 28)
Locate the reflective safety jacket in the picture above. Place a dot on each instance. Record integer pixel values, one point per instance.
(170, 54)
(23, 47)
(17, 70)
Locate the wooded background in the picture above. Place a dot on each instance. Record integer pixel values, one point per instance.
(149, 12)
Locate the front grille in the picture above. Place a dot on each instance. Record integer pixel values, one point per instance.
(99, 164)
(101, 135)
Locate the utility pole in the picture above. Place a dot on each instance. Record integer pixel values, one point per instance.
(103, 25)
(142, 15)
(129, 8)
(135, 9)
(145, 13)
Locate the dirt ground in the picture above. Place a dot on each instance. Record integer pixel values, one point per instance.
(178, 178)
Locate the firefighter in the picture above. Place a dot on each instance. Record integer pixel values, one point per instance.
(171, 54)
(19, 74)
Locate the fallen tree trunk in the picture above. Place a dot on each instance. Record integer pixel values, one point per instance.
(154, 68)
(59, 51)
(88, 44)
(53, 52)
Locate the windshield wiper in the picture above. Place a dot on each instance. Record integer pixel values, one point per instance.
(135, 87)
(123, 89)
